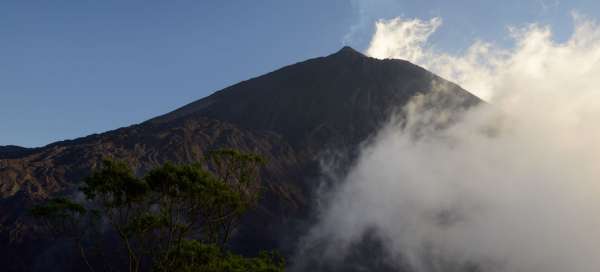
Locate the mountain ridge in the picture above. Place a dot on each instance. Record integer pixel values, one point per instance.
(14, 151)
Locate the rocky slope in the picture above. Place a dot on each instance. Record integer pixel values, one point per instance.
(291, 116)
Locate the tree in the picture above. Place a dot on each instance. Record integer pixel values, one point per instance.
(176, 218)
(62, 217)
(121, 200)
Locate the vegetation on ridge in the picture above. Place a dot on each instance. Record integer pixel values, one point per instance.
(175, 218)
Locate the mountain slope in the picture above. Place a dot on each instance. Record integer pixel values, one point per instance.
(291, 116)
(339, 96)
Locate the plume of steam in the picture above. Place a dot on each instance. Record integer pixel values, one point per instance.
(513, 185)
(397, 38)
(367, 11)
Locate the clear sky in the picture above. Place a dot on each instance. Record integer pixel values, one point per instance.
(72, 68)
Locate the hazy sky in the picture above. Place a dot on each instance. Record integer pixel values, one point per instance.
(71, 68)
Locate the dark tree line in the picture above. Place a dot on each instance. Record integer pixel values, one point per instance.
(175, 218)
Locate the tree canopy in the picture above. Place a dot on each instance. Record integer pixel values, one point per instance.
(178, 217)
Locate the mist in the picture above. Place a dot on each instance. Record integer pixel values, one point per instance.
(510, 185)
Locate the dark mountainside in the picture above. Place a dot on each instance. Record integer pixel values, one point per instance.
(292, 116)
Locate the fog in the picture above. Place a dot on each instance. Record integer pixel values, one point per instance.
(510, 185)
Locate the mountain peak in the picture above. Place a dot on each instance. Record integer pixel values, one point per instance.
(348, 51)
(345, 91)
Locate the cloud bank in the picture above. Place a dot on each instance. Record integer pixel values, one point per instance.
(514, 185)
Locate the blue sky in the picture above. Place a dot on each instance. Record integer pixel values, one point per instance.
(72, 68)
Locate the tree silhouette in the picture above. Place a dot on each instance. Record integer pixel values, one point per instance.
(175, 218)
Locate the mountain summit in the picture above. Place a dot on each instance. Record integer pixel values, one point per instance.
(348, 52)
(291, 116)
(341, 97)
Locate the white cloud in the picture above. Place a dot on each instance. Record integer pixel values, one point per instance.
(513, 186)
(405, 38)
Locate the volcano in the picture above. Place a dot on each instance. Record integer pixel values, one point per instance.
(294, 117)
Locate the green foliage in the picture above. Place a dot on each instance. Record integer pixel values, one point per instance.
(176, 218)
(189, 196)
(63, 217)
(115, 185)
(199, 257)
(144, 223)
(58, 208)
